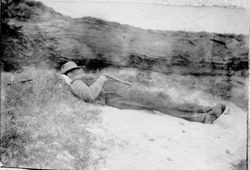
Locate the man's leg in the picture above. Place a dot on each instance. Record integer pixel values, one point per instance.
(189, 111)
(191, 107)
(140, 99)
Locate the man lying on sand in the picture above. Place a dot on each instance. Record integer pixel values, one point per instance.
(123, 96)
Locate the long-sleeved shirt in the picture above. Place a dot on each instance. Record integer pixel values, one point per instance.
(85, 92)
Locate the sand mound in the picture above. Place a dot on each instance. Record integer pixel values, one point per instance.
(138, 140)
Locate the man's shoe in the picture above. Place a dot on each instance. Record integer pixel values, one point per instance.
(215, 113)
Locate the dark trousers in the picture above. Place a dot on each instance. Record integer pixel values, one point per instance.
(143, 99)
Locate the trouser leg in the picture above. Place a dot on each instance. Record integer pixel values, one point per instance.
(191, 107)
(188, 111)
(139, 99)
(120, 102)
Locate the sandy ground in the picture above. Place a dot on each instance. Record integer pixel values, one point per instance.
(138, 140)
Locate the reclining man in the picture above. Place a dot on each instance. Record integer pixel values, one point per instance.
(122, 96)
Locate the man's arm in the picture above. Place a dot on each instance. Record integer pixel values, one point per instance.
(66, 79)
(85, 92)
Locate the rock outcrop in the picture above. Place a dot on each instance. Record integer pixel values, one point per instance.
(47, 37)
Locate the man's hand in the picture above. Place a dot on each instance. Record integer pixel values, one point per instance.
(103, 77)
(65, 78)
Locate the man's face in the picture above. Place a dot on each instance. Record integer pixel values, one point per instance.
(71, 74)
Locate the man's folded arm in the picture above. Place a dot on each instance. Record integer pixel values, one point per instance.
(66, 79)
(80, 89)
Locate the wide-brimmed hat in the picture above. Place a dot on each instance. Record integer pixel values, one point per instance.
(68, 67)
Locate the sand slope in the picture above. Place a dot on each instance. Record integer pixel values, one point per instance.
(138, 140)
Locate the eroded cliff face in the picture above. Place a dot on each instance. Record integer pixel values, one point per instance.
(49, 37)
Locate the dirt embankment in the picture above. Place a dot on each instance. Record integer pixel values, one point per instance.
(45, 35)
(34, 34)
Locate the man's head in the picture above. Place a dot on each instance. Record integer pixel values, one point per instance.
(71, 69)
